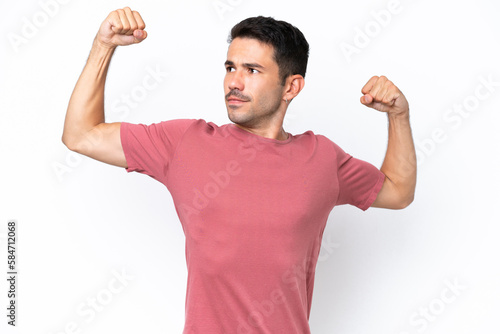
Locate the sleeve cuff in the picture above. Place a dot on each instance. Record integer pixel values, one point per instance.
(125, 147)
(373, 195)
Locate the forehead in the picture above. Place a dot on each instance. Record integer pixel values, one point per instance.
(249, 50)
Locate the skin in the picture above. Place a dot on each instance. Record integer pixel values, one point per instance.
(255, 101)
(85, 131)
(400, 162)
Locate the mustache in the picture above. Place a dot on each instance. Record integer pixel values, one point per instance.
(236, 93)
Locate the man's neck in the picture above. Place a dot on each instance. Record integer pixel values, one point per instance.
(277, 133)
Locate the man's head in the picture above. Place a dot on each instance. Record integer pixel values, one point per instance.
(265, 68)
(291, 50)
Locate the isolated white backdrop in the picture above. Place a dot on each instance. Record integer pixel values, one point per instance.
(83, 223)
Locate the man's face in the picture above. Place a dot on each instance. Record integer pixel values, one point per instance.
(252, 85)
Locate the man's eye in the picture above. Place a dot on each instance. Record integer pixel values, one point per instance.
(229, 69)
(253, 71)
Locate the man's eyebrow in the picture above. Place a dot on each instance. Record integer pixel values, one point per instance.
(247, 65)
(253, 65)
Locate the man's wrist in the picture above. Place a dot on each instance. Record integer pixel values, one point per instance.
(100, 52)
(102, 47)
(404, 115)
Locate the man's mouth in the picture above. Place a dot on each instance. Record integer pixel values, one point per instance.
(236, 97)
(234, 100)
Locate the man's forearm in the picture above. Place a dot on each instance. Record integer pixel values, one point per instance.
(86, 105)
(400, 163)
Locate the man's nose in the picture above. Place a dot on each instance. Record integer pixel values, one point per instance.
(236, 81)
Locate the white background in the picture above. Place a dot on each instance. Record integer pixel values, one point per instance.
(81, 221)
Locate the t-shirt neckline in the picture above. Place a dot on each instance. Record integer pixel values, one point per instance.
(243, 134)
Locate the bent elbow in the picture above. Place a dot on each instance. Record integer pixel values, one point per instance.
(69, 142)
(406, 202)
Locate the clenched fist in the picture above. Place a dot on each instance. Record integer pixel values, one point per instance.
(121, 27)
(381, 94)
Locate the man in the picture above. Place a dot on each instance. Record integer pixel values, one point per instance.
(253, 200)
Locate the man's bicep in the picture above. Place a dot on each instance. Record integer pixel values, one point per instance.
(388, 197)
(103, 143)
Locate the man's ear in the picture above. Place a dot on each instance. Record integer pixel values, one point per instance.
(294, 84)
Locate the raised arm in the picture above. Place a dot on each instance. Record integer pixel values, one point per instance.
(400, 163)
(85, 130)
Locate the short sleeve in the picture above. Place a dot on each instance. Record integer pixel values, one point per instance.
(359, 181)
(149, 149)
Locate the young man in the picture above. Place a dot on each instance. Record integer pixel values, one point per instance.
(253, 200)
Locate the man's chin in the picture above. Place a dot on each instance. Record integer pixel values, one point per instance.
(238, 117)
